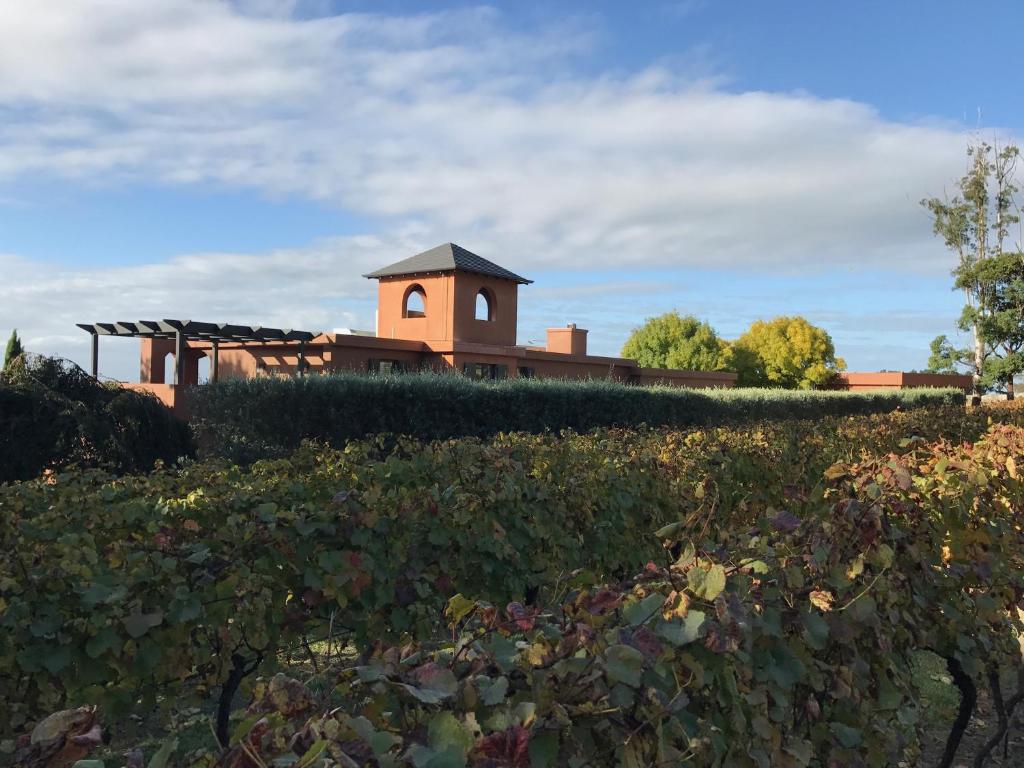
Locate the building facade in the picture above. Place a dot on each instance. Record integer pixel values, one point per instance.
(445, 309)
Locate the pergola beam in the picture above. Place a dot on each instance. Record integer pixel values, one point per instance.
(191, 330)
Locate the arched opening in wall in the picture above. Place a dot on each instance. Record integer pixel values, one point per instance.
(484, 305)
(169, 368)
(204, 370)
(415, 302)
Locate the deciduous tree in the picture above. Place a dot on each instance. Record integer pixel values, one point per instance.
(786, 352)
(677, 341)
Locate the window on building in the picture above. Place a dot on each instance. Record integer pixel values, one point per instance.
(483, 371)
(387, 367)
(484, 305)
(526, 372)
(204, 370)
(415, 303)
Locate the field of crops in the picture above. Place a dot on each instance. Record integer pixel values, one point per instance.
(751, 595)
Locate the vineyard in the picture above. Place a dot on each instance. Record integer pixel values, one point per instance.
(748, 596)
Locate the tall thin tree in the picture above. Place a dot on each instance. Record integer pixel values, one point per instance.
(974, 225)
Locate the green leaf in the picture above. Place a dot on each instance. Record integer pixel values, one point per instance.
(681, 632)
(138, 624)
(311, 754)
(381, 742)
(543, 749)
(847, 736)
(642, 610)
(707, 584)
(668, 531)
(496, 692)
(159, 760)
(889, 697)
(446, 734)
(436, 685)
(624, 665)
(105, 640)
(57, 660)
(816, 630)
(460, 607)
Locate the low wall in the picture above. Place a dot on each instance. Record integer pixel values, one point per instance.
(860, 381)
(692, 379)
(168, 394)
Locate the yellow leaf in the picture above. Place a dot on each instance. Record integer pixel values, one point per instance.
(677, 604)
(1011, 467)
(822, 600)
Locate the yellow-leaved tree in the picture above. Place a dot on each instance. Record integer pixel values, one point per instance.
(786, 352)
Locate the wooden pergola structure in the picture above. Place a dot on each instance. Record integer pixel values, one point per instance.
(191, 330)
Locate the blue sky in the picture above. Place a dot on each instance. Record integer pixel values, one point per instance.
(248, 161)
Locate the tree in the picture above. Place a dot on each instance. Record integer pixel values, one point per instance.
(14, 349)
(786, 352)
(677, 341)
(974, 225)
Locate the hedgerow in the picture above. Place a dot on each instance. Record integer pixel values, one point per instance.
(259, 418)
(774, 622)
(53, 415)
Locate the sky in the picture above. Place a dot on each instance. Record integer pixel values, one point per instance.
(248, 161)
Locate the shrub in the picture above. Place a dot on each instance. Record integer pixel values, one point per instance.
(128, 586)
(265, 417)
(53, 415)
(786, 640)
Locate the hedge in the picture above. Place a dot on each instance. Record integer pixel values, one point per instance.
(258, 418)
(53, 415)
(784, 638)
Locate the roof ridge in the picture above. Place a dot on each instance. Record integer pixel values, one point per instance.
(447, 257)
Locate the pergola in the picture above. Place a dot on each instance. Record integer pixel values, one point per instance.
(191, 330)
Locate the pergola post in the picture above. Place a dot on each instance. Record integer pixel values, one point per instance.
(215, 363)
(302, 358)
(95, 355)
(179, 357)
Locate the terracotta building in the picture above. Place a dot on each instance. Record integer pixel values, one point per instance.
(443, 309)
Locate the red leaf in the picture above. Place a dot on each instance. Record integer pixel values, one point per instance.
(506, 749)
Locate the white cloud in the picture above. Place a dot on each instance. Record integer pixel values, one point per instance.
(319, 287)
(436, 126)
(457, 121)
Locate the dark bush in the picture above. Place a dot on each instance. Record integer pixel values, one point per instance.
(53, 415)
(257, 418)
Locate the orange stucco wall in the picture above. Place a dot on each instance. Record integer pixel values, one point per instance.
(450, 309)
(439, 298)
(860, 381)
(503, 295)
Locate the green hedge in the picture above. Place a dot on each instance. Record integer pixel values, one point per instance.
(54, 415)
(268, 417)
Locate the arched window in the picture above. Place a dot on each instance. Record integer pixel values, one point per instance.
(415, 303)
(203, 368)
(169, 368)
(484, 305)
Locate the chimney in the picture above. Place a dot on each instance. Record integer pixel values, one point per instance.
(568, 341)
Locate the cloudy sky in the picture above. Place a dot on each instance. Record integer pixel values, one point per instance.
(246, 162)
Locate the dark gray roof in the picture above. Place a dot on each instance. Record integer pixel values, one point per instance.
(447, 258)
(195, 331)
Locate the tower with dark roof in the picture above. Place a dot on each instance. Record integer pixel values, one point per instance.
(448, 294)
